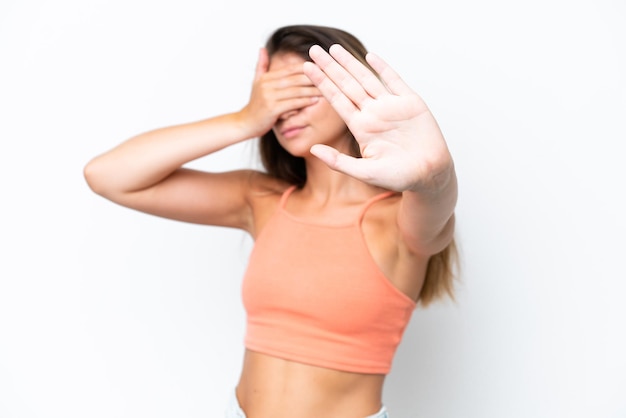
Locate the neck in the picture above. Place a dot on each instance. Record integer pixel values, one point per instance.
(325, 184)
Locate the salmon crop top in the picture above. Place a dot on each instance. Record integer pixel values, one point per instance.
(313, 294)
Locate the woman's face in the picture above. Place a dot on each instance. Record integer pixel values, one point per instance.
(299, 129)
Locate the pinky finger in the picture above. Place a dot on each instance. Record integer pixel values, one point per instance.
(331, 92)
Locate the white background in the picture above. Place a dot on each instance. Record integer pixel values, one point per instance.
(105, 312)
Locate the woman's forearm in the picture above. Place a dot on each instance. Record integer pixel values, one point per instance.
(148, 158)
(426, 216)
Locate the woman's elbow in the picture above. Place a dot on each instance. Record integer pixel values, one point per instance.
(94, 176)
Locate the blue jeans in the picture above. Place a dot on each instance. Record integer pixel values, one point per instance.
(235, 411)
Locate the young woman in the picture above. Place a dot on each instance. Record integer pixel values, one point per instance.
(353, 218)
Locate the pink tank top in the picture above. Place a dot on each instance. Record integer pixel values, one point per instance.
(314, 294)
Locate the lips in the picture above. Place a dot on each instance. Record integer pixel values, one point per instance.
(291, 131)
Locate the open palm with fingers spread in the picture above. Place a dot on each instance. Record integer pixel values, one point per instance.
(401, 144)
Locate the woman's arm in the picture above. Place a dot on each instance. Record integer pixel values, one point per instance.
(426, 216)
(146, 172)
(401, 144)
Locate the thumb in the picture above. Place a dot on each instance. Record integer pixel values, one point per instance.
(262, 64)
(343, 163)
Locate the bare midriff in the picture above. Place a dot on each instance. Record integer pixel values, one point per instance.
(277, 388)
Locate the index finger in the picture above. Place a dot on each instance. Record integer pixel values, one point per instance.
(365, 76)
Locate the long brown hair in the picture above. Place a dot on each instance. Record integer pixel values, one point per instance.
(279, 163)
(441, 272)
(298, 39)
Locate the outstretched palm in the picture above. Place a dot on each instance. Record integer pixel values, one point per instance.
(401, 144)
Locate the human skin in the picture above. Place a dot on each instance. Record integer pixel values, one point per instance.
(309, 105)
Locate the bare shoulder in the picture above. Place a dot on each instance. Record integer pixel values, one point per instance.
(264, 193)
(262, 185)
(381, 218)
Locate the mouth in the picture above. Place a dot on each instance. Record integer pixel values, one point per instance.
(291, 131)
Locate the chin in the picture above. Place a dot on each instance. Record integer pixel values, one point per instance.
(296, 149)
(300, 152)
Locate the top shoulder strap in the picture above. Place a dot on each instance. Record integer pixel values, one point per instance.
(286, 193)
(373, 200)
